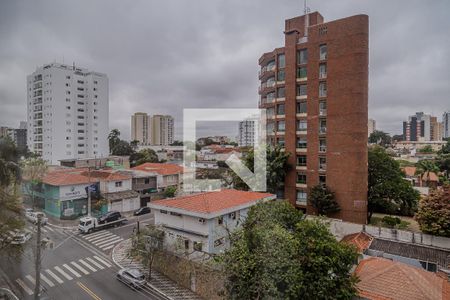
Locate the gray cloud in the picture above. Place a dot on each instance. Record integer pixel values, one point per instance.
(163, 56)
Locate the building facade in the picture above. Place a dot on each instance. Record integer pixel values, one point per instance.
(420, 127)
(315, 90)
(446, 125)
(67, 112)
(246, 137)
(141, 128)
(162, 128)
(372, 126)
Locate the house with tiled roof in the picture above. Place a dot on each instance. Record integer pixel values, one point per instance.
(428, 179)
(201, 222)
(384, 279)
(167, 174)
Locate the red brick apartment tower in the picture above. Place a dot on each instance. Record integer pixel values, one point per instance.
(315, 90)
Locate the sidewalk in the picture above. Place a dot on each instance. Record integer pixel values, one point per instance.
(159, 282)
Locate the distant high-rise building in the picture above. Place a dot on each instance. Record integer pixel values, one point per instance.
(435, 129)
(68, 113)
(141, 128)
(162, 131)
(446, 124)
(246, 137)
(372, 126)
(417, 128)
(315, 90)
(23, 125)
(4, 131)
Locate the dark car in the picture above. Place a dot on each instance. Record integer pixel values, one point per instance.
(142, 211)
(110, 217)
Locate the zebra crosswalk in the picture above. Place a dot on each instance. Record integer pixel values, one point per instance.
(105, 240)
(59, 274)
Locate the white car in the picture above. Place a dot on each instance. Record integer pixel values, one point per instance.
(20, 237)
(33, 217)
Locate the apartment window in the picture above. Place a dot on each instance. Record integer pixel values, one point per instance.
(80, 145)
(175, 214)
(270, 127)
(80, 81)
(302, 125)
(67, 100)
(163, 211)
(322, 71)
(270, 112)
(322, 145)
(302, 56)
(67, 84)
(95, 81)
(301, 178)
(80, 138)
(80, 96)
(220, 220)
(301, 107)
(323, 53)
(80, 89)
(322, 89)
(219, 242)
(301, 196)
(301, 72)
(301, 160)
(68, 92)
(118, 183)
(302, 90)
(198, 246)
(323, 126)
(281, 126)
(80, 152)
(67, 77)
(280, 142)
(270, 96)
(280, 75)
(281, 61)
(302, 142)
(80, 131)
(322, 179)
(322, 108)
(322, 163)
(80, 103)
(68, 107)
(280, 109)
(80, 117)
(280, 92)
(80, 110)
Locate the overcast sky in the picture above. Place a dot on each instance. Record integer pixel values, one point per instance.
(163, 56)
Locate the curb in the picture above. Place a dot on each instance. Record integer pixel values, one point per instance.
(120, 266)
(62, 227)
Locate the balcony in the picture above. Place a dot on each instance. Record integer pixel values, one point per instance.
(322, 149)
(322, 166)
(322, 112)
(301, 185)
(322, 130)
(300, 202)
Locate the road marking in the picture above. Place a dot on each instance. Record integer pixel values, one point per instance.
(110, 243)
(24, 286)
(92, 235)
(102, 261)
(31, 278)
(49, 228)
(90, 293)
(103, 237)
(87, 265)
(54, 276)
(95, 263)
(68, 277)
(47, 281)
(107, 248)
(72, 270)
(80, 268)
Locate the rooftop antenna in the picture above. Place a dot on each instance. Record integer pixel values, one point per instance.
(306, 11)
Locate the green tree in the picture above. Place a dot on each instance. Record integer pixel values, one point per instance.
(144, 156)
(10, 205)
(113, 139)
(122, 148)
(388, 192)
(380, 138)
(446, 148)
(425, 167)
(170, 192)
(433, 215)
(426, 149)
(277, 167)
(177, 143)
(33, 170)
(277, 254)
(134, 145)
(322, 199)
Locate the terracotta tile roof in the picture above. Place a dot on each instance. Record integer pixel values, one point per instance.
(106, 175)
(430, 176)
(161, 169)
(212, 202)
(385, 279)
(70, 176)
(410, 171)
(360, 240)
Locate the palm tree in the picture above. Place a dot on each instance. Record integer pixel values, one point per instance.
(424, 167)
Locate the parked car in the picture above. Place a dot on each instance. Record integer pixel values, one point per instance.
(20, 237)
(33, 217)
(142, 211)
(110, 217)
(131, 277)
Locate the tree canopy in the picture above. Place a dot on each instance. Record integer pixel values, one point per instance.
(143, 156)
(433, 215)
(380, 138)
(277, 254)
(388, 191)
(322, 199)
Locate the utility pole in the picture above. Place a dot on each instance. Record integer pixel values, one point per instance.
(89, 192)
(37, 286)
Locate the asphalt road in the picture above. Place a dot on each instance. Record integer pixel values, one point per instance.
(77, 267)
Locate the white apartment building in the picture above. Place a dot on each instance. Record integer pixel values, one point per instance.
(446, 124)
(371, 126)
(246, 136)
(67, 112)
(162, 130)
(141, 128)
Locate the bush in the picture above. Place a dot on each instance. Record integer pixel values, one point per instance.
(391, 221)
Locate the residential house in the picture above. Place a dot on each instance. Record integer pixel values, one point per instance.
(145, 183)
(428, 179)
(167, 174)
(201, 222)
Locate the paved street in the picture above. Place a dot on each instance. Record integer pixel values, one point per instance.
(77, 267)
